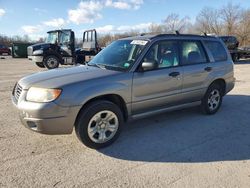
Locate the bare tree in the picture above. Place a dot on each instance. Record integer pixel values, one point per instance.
(230, 14)
(26, 38)
(41, 40)
(155, 28)
(243, 31)
(208, 21)
(173, 22)
(106, 39)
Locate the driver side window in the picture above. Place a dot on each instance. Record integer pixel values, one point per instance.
(65, 38)
(164, 54)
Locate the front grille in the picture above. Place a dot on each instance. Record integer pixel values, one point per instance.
(17, 91)
(30, 50)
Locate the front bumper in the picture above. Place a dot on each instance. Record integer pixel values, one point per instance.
(46, 118)
(35, 59)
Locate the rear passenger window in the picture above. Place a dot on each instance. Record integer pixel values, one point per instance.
(192, 52)
(217, 50)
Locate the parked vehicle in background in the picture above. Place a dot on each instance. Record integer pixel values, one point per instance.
(4, 50)
(131, 78)
(233, 46)
(19, 49)
(230, 41)
(60, 49)
(245, 51)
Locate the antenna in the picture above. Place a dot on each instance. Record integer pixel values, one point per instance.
(177, 32)
(205, 33)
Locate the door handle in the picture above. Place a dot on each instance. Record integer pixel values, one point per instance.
(208, 69)
(174, 74)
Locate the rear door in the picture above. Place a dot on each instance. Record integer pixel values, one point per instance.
(161, 87)
(196, 70)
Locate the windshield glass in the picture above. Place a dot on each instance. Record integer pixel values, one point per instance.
(52, 37)
(119, 55)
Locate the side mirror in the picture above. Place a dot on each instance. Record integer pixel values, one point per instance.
(148, 66)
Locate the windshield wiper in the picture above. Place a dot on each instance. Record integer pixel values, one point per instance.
(106, 66)
(101, 66)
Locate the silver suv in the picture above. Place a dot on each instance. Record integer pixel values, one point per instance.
(131, 78)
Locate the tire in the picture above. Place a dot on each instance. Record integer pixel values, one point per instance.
(51, 62)
(212, 100)
(40, 64)
(92, 124)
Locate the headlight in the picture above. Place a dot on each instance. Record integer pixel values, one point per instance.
(38, 52)
(35, 94)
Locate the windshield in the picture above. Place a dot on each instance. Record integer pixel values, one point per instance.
(52, 37)
(119, 55)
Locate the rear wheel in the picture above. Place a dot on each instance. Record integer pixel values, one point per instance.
(40, 64)
(99, 124)
(51, 62)
(212, 100)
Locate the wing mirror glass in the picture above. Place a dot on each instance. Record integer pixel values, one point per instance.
(148, 65)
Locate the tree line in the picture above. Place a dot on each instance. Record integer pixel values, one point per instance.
(230, 19)
(7, 41)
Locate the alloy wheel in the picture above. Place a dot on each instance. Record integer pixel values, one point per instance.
(103, 126)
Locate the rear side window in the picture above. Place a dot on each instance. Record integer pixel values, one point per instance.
(192, 52)
(217, 50)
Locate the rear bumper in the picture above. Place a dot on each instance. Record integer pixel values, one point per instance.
(46, 118)
(230, 85)
(5, 52)
(35, 59)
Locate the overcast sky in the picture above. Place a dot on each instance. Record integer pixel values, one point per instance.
(35, 18)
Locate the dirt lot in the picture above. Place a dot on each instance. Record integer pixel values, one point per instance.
(178, 149)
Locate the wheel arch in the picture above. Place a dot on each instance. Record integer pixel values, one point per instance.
(222, 83)
(114, 98)
(52, 53)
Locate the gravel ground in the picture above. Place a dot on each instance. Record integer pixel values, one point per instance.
(177, 149)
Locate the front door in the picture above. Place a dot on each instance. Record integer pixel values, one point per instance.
(67, 46)
(160, 87)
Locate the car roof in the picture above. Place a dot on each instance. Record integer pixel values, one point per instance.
(183, 36)
(226, 36)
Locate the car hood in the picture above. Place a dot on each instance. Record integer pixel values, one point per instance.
(57, 78)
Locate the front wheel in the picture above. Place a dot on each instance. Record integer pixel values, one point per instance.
(40, 64)
(51, 62)
(212, 100)
(99, 124)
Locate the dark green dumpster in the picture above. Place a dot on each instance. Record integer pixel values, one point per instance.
(19, 50)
